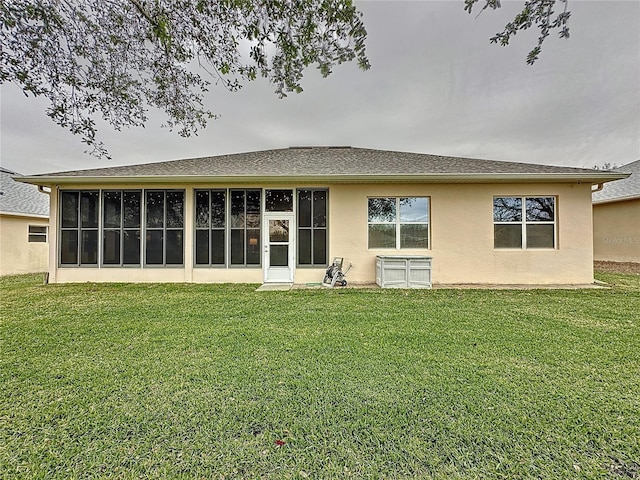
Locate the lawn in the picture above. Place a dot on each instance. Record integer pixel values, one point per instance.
(204, 381)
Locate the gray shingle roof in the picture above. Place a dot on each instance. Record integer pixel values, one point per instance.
(626, 188)
(20, 198)
(318, 162)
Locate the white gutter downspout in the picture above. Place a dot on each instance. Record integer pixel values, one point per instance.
(599, 187)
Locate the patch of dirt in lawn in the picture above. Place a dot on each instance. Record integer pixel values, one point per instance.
(617, 267)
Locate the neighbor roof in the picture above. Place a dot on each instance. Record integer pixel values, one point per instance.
(625, 189)
(335, 164)
(19, 198)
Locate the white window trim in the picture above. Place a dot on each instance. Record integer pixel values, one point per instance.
(398, 223)
(523, 223)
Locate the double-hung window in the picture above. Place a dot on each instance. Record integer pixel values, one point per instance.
(398, 222)
(524, 222)
(312, 227)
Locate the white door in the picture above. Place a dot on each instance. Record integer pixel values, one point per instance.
(279, 247)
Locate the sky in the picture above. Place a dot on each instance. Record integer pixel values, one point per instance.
(436, 85)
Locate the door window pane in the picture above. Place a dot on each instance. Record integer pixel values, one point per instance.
(278, 230)
(279, 255)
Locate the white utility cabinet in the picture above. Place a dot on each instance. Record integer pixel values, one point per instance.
(403, 271)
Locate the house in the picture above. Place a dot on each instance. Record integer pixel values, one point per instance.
(282, 215)
(24, 226)
(616, 218)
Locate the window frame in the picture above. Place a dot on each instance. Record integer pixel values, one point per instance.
(122, 229)
(209, 228)
(245, 229)
(164, 229)
(33, 235)
(79, 229)
(312, 229)
(524, 223)
(397, 223)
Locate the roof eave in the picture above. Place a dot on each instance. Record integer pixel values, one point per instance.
(595, 178)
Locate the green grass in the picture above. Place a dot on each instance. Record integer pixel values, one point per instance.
(204, 381)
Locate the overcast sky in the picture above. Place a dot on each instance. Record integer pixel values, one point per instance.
(436, 86)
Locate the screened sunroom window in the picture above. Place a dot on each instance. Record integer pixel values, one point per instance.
(312, 227)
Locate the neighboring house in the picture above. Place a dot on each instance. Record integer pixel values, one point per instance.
(616, 218)
(24, 225)
(282, 215)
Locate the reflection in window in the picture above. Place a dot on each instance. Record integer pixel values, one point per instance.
(245, 227)
(164, 242)
(278, 200)
(312, 227)
(536, 231)
(121, 227)
(398, 222)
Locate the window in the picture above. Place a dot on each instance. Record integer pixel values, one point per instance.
(164, 227)
(524, 222)
(79, 227)
(121, 227)
(312, 227)
(278, 200)
(398, 222)
(38, 233)
(244, 227)
(210, 227)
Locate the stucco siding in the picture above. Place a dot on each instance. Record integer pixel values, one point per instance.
(17, 254)
(461, 237)
(616, 231)
(462, 234)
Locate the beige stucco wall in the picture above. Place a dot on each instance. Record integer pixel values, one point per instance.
(17, 255)
(462, 234)
(616, 231)
(461, 238)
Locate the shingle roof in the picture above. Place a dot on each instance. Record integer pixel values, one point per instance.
(20, 198)
(627, 188)
(319, 162)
